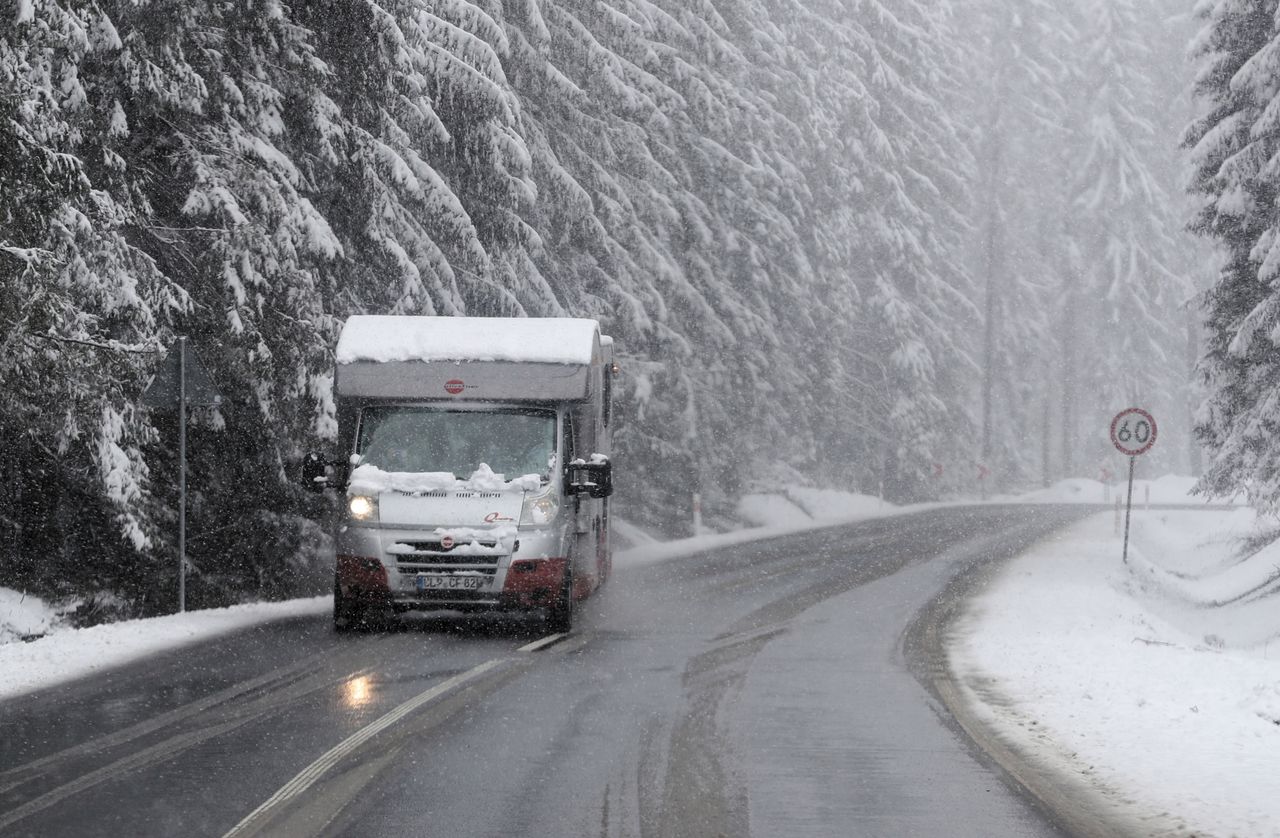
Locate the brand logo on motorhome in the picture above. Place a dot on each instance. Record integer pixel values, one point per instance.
(454, 386)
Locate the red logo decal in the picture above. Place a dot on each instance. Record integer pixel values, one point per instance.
(494, 517)
(454, 386)
(446, 543)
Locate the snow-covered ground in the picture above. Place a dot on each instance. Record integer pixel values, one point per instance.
(66, 654)
(23, 616)
(1156, 683)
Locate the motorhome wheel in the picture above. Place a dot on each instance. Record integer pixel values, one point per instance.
(560, 614)
(346, 616)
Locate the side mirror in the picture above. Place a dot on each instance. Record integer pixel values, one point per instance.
(315, 473)
(593, 479)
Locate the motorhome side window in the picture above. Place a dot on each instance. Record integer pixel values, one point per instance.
(513, 443)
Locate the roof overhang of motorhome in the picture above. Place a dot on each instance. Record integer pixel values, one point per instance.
(467, 358)
(473, 380)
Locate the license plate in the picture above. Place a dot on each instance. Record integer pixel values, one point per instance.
(449, 582)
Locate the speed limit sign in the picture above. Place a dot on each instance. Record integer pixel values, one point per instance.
(1133, 431)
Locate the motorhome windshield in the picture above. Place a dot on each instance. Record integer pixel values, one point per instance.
(411, 439)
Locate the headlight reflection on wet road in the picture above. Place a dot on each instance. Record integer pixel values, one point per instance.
(357, 692)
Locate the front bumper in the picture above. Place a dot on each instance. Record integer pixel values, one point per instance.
(382, 565)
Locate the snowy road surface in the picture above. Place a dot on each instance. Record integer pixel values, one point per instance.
(761, 689)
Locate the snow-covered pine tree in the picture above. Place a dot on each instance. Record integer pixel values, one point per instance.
(200, 92)
(657, 218)
(1016, 70)
(1128, 326)
(81, 303)
(424, 170)
(910, 223)
(1234, 146)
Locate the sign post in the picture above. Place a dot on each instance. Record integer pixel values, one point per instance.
(1133, 432)
(181, 382)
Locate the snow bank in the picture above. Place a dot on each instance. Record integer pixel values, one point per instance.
(1168, 489)
(626, 535)
(832, 504)
(798, 506)
(1157, 683)
(548, 340)
(22, 615)
(837, 508)
(66, 654)
(771, 511)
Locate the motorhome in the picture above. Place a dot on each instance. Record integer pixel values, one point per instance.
(474, 466)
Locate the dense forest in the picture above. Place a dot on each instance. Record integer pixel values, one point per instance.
(880, 245)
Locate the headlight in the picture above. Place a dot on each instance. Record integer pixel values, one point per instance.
(539, 509)
(363, 507)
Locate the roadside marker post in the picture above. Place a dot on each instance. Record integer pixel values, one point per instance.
(181, 381)
(1133, 432)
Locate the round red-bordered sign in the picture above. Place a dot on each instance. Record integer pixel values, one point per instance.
(1133, 431)
(454, 386)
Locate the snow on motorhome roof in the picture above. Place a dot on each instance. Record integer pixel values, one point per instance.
(548, 340)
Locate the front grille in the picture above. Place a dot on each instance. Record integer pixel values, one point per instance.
(445, 561)
(450, 567)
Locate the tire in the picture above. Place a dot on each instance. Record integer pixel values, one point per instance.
(346, 617)
(560, 614)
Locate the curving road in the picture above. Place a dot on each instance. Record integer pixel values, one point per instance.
(771, 689)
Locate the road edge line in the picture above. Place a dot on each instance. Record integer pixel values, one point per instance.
(542, 643)
(317, 769)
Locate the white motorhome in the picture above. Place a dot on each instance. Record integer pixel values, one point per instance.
(475, 465)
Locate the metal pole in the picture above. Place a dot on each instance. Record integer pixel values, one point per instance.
(182, 474)
(1128, 507)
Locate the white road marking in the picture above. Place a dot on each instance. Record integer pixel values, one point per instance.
(317, 769)
(543, 643)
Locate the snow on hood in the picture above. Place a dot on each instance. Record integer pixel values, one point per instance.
(368, 479)
(468, 541)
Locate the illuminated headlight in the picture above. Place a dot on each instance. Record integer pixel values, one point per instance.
(363, 507)
(539, 509)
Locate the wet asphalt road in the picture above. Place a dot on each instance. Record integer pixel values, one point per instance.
(758, 690)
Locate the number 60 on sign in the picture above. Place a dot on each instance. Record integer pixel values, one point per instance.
(1133, 431)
